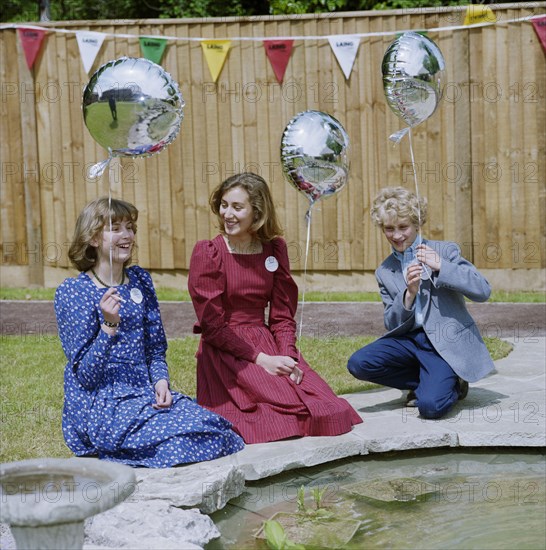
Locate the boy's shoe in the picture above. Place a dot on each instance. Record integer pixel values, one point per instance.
(462, 388)
(411, 399)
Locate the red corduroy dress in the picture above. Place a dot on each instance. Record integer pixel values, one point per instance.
(230, 294)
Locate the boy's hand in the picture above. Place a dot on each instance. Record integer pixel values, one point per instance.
(428, 256)
(413, 280)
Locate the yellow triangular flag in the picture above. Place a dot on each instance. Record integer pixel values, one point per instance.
(478, 13)
(215, 52)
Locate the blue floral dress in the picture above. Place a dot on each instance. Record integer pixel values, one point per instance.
(109, 383)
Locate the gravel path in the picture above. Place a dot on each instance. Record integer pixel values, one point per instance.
(320, 319)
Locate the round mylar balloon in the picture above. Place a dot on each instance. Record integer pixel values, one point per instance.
(314, 154)
(132, 107)
(413, 68)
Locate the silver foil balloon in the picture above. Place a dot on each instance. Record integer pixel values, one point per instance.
(132, 107)
(314, 154)
(413, 68)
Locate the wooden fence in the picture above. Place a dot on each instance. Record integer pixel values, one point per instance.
(480, 159)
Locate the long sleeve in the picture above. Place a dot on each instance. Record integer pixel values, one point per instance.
(395, 314)
(206, 285)
(459, 275)
(155, 341)
(85, 345)
(284, 302)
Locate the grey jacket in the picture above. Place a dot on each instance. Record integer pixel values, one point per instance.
(446, 320)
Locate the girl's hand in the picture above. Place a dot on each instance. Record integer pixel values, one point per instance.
(280, 365)
(297, 375)
(110, 305)
(163, 395)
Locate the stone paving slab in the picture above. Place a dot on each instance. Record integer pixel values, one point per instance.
(206, 485)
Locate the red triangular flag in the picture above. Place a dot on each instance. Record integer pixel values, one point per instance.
(539, 23)
(31, 40)
(278, 52)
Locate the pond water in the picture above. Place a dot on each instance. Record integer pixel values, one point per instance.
(471, 499)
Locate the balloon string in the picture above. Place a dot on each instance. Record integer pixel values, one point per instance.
(415, 178)
(308, 222)
(110, 224)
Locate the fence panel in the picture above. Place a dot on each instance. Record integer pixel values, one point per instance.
(480, 159)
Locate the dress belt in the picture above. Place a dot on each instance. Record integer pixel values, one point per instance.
(245, 316)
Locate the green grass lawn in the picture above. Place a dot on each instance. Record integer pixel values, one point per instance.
(31, 389)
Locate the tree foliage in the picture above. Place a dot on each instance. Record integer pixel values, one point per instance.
(19, 10)
(77, 10)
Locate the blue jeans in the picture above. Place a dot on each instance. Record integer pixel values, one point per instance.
(409, 362)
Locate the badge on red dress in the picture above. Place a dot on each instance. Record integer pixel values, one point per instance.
(271, 264)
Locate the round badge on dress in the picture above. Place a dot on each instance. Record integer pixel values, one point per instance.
(271, 264)
(136, 295)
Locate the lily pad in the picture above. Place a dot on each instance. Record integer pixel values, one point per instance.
(393, 490)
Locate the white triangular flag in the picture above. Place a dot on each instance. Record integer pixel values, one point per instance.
(89, 43)
(345, 48)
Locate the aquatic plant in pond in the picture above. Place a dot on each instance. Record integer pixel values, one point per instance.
(276, 537)
(327, 527)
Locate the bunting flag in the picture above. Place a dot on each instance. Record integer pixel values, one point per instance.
(278, 52)
(539, 25)
(31, 40)
(89, 43)
(478, 13)
(153, 47)
(345, 48)
(215, 53)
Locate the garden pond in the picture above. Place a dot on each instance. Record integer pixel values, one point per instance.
(446, 498)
